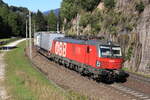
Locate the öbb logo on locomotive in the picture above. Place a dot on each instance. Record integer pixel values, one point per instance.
(60, 49)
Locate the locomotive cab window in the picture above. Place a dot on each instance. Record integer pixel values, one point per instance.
(108, 51)
(105, 51)
(116, 51)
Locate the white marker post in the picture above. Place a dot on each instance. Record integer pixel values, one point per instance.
(30, 35)
(78, 20)
(26, 33)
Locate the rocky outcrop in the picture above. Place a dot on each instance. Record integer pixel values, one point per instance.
(140, 60)
(143, 29)
(101, 6)
(137, 42)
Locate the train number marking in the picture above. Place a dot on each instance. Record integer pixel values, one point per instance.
(60, 49)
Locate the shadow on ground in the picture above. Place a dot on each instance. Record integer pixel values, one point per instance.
(8, 47)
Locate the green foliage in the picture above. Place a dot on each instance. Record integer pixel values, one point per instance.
(129, 27)
(21, 74)
(86, 19)
(109, 4)
(52, 21)
(89, 5)
(113, 30)
(5, 27)
(12, 20)
(2, 4)
(129, 53)
(106, 21)
(140, 7)
(1, 26)
(40, 21)
(21, 10)
(96, 27)
(94, 20)
(70, 8)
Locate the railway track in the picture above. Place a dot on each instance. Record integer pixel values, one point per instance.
(127, 91)
(139, 78)
(133, 92)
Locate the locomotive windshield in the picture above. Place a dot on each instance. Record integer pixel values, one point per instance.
(107, 51)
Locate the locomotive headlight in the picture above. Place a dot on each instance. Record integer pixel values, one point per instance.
(98, 63)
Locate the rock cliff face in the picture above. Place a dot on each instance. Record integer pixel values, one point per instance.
(143, 29)
(140, 59)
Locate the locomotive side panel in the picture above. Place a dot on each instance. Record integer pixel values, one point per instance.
(52, 51)
(83, 54)
(91, 55)
(70, 51)
(76, 52)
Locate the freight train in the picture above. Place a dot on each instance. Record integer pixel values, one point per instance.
(98, 59)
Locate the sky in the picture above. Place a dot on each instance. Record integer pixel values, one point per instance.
(34, 5)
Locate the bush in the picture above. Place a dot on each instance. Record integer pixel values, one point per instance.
(140, 7)
(129, 53)
(89, 5)
(109, 4)
(96, 27)
(129, 27)
(70, 8)
(93, 20)
(113, 30)
(86, 19)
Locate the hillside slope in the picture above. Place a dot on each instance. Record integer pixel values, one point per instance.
(123, 21)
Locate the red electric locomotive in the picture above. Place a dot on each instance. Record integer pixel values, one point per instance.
(97, 58)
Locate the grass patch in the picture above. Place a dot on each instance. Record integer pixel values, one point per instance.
(23, 82)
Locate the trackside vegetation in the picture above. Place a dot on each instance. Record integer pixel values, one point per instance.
(23, 82)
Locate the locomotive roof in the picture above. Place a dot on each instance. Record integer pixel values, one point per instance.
(90, 42)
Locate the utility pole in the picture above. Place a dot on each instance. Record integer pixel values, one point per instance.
(63, 30)
(78, 20)
(58, 27)
(30, 36)
(34, 28)
(47, 27)
(26, 33)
